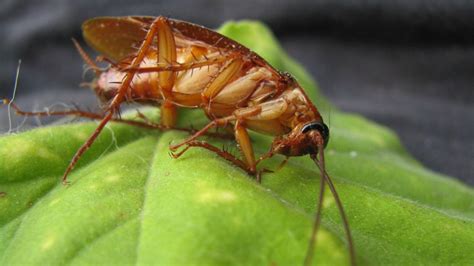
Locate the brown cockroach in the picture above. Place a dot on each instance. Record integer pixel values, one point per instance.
(171, 64)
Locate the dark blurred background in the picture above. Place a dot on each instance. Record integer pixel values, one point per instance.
(406, 64)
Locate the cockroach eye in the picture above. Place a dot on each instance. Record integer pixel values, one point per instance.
(319, 126)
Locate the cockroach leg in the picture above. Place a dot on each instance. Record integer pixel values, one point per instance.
(219, 82)
(76, 112)
(242, 137)
(95, 116)
(146, 123)
(168, 114)
(86, 146)
(142, 52)
(269, 155)
(166, 55)
(150, 124)
(214, 123)
(119, 97)
(245, 145)
(222, 153)
(274, 149)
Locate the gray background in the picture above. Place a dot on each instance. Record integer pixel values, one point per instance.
(405, 64)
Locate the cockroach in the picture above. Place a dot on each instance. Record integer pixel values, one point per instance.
(176, 64)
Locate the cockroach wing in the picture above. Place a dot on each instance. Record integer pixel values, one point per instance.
(118, 37)
(114, 37)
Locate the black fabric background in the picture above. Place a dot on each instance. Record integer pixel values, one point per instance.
(405, 64)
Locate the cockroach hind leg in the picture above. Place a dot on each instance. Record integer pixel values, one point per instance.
(113, 107)
(222, 153)
(187, 141)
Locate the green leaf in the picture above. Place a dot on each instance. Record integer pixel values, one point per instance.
(131, 203)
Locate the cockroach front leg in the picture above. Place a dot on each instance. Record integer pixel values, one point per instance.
(274, 149)
(248, 164)
(225, 155)
(214, 123)
(220, 152)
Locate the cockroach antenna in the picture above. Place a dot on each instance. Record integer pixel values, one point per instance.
(325, 178)
(317, 219)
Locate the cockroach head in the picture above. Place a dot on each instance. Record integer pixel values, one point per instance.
(320, 127)
(306, 138)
